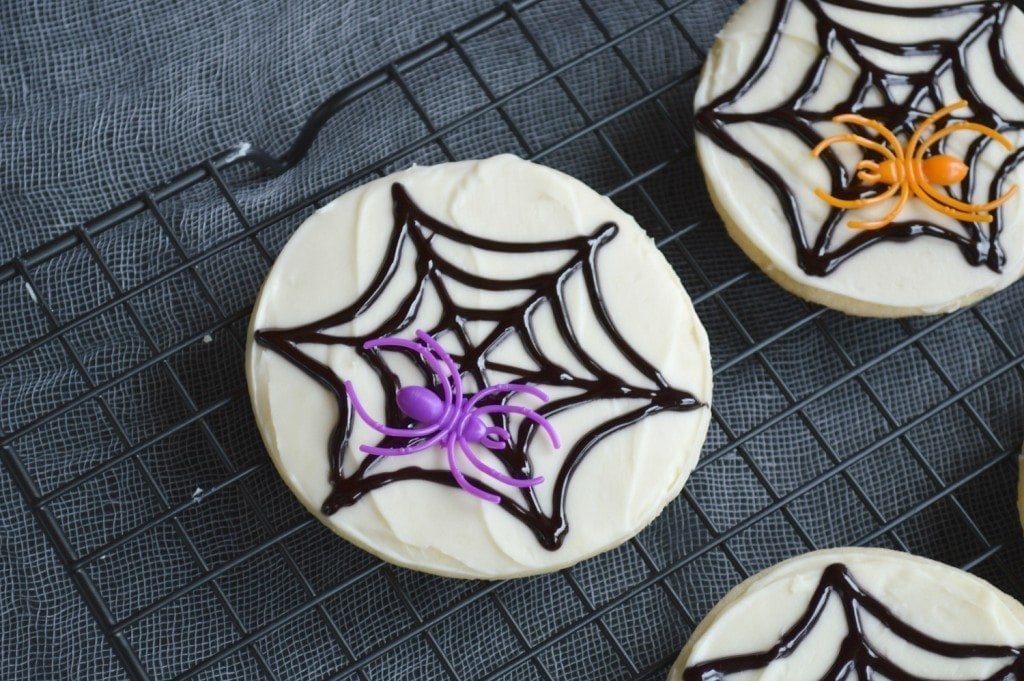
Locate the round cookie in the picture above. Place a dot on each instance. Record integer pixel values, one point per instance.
(480, 369)
(787, 188)
(833, 614)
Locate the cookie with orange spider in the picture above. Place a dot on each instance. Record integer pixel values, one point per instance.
(868, 156)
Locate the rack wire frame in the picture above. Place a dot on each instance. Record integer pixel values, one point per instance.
(661, 564)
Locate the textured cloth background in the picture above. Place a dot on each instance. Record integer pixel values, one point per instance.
(127, 409)
(99, 101)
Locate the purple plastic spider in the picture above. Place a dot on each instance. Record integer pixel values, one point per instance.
(451, 420)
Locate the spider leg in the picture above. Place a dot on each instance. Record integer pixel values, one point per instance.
(963, 210)
(507, 388)
(496, 474)
(495, 390)
(970, 208)
(868, 172)
(1002, 199)
(453, 466)
(453, 370)
(496, 438)
(432, 362)
(862, 141)
(527, 413)
(859, 140)
(401, 451)
(389, 451)
(915, 139)
(890, 216)
(950, 206)
(857, 203)
(964, 125)
(499, 433)
(380, 427)
(954, 208)
(884, 132)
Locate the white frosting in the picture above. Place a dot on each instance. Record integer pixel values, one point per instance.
(940, 601)
(925, 275)
(621, 485)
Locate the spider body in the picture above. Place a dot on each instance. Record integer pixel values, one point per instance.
(909, 171)
(426, 408)
(451, 419)
(421, 404)
(942, 170)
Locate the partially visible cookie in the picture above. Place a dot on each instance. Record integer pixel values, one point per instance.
(855, 613)
(867, 155)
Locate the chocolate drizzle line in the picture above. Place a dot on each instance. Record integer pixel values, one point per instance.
(857, 658)
(979, 246)
(413, 230)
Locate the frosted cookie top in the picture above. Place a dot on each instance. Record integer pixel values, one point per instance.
(836, 614)
(479, 369)
(867, 154)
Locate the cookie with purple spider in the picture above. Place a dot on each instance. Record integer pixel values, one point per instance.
(452, 420)
(480, 369)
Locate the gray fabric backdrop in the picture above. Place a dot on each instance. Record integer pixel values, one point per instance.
(827, 430)
(100, 100)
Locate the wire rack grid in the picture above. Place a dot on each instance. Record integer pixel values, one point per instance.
(126, 426)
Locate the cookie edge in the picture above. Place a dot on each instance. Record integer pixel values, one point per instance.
(744, 587)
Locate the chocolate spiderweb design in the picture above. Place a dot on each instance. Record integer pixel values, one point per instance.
(898, 100)
(857, 658)
(413, 229)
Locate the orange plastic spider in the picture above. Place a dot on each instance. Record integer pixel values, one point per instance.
(907, 171)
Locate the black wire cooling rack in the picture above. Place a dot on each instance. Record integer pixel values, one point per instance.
(126, 425)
